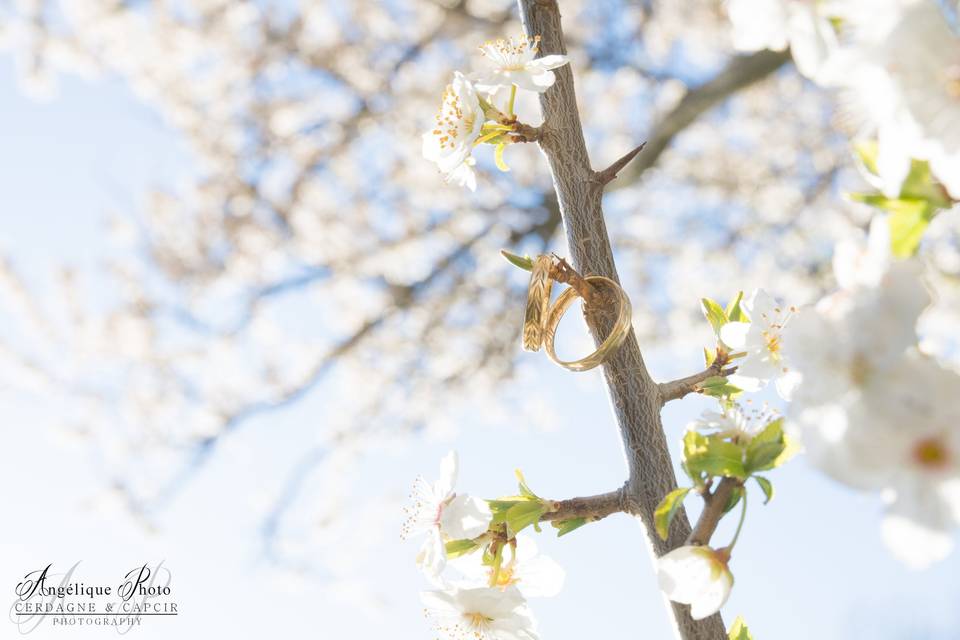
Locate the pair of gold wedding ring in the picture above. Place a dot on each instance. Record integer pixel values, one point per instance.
(541, 320)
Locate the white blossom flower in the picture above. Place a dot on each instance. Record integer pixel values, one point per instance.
(902, 74)
(860, 333)
(733, 421)
(762, 340)
(802, 25)
(512, 61)
(479, 614)
(697, 576)
(442, 515)
(858, 263)
(450, 142)
(902, 439)
(534, 574)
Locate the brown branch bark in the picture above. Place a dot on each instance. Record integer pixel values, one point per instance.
(677, 389)
(591, 507)
(634, 396)
(714, 504)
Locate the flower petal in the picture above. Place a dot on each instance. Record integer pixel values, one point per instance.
(448, 475)
(465, 517)
(918, 531)
(432, 557)
(540, 577)
(734, 334)
(547, 62)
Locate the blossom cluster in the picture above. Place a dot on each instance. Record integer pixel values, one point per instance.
(871, 408)
(487, 598)
(467, 116)
(875, 412)
(894, 62)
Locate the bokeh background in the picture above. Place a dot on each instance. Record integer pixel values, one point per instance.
(240, 313)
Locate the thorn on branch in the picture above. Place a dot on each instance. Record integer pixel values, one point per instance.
(608, 174)
(563, 272)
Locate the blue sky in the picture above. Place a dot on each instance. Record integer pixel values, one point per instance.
(810, 564)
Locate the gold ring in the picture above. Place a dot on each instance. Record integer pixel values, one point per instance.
(538, 303)
(613, 341)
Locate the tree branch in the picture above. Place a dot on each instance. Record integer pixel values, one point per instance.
(714, 505)
(591, 507)
(740, 72)
(634, 396)
(677, 389)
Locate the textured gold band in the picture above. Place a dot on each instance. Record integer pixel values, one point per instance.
(538, 303)
(613, 341)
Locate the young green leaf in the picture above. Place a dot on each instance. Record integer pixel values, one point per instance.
(522, 515)
(714, 314)
(908, 218)
(766, 486)
(525, 263)
(734, 311)
(867, 152)
(765, 447)
(712, 455)
(457, 548)
(564, 527)
(920, 184)
(709, 355)
(739, 631)
(734, 499)
(524, 488)
(498, 157)
(663, 515)
(719, 387)
(907, 225)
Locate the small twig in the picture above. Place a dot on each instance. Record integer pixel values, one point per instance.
(563, 272)
(714, 504)
(592, 508)
(677, 389)
(608, 174)
(525, 133)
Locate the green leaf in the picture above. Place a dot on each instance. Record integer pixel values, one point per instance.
(498, 157)
(921, 184)
(908, 219)
(457, 548)
(718, 387)
(663, 515)
(907, 226)
(709, 355)
(734, 311)
(866, 152)
(714, 314)
(712, 455)
(792, 448)
(522, 515)
(502, 506)
(739, 631)
(524, 489)
(566, 526)
(766, 486)
(735, 497)
(490, 137)
(525, 263)
(766, 447)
